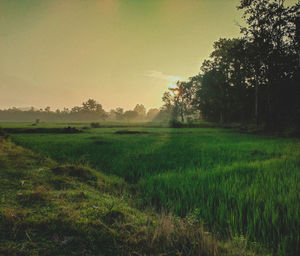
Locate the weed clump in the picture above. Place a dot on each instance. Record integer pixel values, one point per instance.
(114, 216)
(59, 183)
(95, 125)
(38, 196)
(82, 173)
(168, 235)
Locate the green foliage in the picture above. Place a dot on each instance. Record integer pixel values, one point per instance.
(174, 123)
(82, 173)
(244, 198)
(3, 134)
(237, 184)
(252, 79)
(95, 125)
(39, 218)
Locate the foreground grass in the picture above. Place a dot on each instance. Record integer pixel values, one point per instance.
(237, 184)
(259, 200)
(51, 209)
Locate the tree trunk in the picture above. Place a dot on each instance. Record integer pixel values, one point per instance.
(256, 102)
(181, 114)
(221, 117)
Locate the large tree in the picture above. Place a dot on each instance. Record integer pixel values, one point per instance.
(178, 101)
(222, 88)
(253, 79)
(270, 28)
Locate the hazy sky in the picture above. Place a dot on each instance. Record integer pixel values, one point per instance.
(120, 52)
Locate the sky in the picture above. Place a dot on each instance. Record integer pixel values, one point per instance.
(60, 53)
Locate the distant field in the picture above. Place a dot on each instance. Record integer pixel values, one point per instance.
(79, 124)
(102, 124)
(236, 183)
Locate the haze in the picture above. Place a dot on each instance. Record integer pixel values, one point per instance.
(119, 52)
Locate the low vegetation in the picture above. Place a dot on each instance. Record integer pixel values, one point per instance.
(234, 184)
(54, 209)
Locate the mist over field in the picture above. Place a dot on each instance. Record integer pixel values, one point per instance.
(150, 127)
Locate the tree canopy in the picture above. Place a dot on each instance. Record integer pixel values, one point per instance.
(251, 79)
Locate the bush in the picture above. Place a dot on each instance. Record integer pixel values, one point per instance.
(95, 125)
(70, 129)
(3, 133)
(174, 123)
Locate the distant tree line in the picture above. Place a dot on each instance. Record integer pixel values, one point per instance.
(253, 79)
(90, 110)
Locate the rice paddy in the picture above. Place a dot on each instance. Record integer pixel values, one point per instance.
(236, 184)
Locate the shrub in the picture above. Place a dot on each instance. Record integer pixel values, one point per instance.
(3, 133)
(95, 125)
(174, 123)
(71, 130)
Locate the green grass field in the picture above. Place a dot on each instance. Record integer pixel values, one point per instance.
(236, 184)
(51, 209)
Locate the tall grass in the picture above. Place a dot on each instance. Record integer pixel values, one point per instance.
(259, 200)
(162, 150)
(235, 183)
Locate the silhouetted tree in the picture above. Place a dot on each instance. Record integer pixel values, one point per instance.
(130, 115)
(141, 111)
(152, 113)
(252, 79)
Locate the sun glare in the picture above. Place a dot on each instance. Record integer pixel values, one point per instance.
(173, 81)
(175, 91)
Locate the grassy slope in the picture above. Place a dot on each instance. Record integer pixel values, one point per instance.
(236, 183)
(161, 150)
(51, 209)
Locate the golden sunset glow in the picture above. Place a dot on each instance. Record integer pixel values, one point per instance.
(127, 124)
(61, 53)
